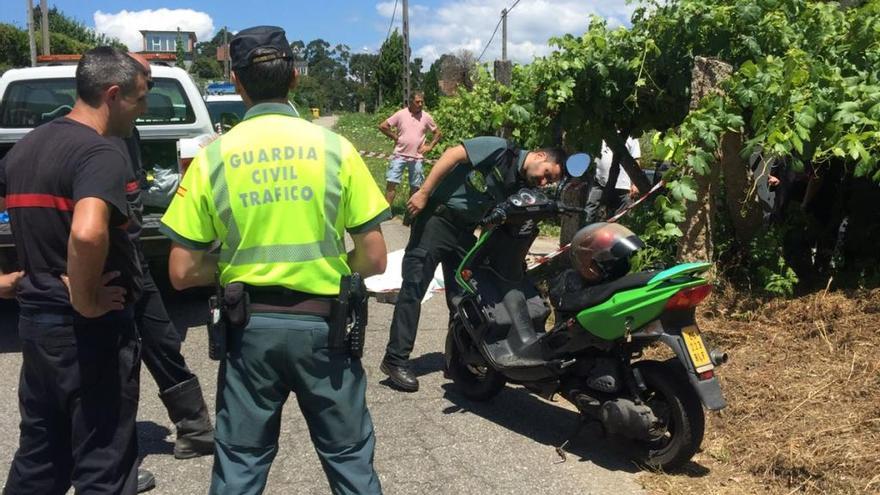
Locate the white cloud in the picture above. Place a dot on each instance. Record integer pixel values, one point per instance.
(468, 25)
(125, 25)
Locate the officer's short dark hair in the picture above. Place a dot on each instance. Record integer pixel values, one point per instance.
(102, 67)
(555, 155)
(268, 80)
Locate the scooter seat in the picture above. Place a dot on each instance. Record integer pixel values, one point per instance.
(571, 294)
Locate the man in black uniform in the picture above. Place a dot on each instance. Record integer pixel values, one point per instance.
(64, 188)
(464, 184)
(179, 388)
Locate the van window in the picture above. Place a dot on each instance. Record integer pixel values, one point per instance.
(35, 102)
(167, 104)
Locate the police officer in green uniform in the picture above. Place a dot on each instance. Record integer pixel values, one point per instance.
(464, 184)
(278, 193)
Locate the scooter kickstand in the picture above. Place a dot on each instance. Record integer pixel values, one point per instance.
(559, 450)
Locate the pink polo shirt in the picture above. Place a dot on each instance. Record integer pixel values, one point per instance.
(411, 130)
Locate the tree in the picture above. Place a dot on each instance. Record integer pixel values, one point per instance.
(803, 87)
(362, 67)
(178, 48)
(206, 67)
(431, 85)
(72, 32)
(14, 49)
(415, 73)
(299, 50)
(389, 70)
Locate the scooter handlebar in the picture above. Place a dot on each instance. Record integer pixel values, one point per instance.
(495, 217)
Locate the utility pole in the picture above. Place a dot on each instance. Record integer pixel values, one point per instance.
(31, 40)
(503, 35)
(406, 68)
(503, 67)
(44, 25)
(226, 53)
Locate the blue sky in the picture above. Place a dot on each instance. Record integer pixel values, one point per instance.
(436, 26)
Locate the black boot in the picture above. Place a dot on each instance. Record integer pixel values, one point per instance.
(145, 481)
(187, 410)
(401, 376)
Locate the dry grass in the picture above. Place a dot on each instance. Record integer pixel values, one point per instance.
(803, 393)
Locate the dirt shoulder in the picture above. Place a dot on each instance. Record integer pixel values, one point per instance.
(803, 392)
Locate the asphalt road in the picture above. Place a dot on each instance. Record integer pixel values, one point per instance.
(429, 442)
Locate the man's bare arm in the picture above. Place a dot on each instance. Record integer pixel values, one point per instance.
(447, 161)
(437, 134)
(191, 267)
(370, 255)
(87, 249)
(384, 128)
(8, 283)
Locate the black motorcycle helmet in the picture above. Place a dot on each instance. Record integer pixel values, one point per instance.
(602, 251)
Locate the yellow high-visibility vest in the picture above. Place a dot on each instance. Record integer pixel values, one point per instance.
(278, 193)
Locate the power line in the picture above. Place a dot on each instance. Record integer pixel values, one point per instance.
(490, 41)
(495, 31)
(393, 13)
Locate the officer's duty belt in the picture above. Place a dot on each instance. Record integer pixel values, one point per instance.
(285, 301)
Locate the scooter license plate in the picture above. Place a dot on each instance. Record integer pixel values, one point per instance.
(696, 348)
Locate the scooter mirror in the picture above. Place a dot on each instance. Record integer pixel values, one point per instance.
(577, 164)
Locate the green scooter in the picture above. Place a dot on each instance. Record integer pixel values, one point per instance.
(604, 318)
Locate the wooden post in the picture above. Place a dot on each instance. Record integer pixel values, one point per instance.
(44, 25)
(30, 25)
(406, 68)
(504, 34)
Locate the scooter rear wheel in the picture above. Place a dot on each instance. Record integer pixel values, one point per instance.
(682, 422)
(475, 382)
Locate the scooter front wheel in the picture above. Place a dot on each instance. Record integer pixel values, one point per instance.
(681, 422)
(475, 382)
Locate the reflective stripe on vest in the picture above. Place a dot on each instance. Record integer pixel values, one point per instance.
(331, 246)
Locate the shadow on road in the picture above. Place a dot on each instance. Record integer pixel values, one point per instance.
(152, 439)
(428, 363)
(517, 410)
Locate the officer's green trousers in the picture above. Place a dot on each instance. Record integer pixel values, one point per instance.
(275, 355)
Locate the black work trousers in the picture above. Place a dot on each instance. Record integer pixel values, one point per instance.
(433, 240)
(159, 339)
(78, 398)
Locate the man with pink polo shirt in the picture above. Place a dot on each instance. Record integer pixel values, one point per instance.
(409, 125)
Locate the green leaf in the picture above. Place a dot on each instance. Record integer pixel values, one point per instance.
(672, 230)
(683, 189)
(697, 161)
(798, 144)
(673, 215)
(749, 69)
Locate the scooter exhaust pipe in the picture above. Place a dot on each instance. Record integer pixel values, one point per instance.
(718, 357)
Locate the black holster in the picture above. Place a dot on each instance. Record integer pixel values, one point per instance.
(348, 324)
(216, 329)
(228, 311)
